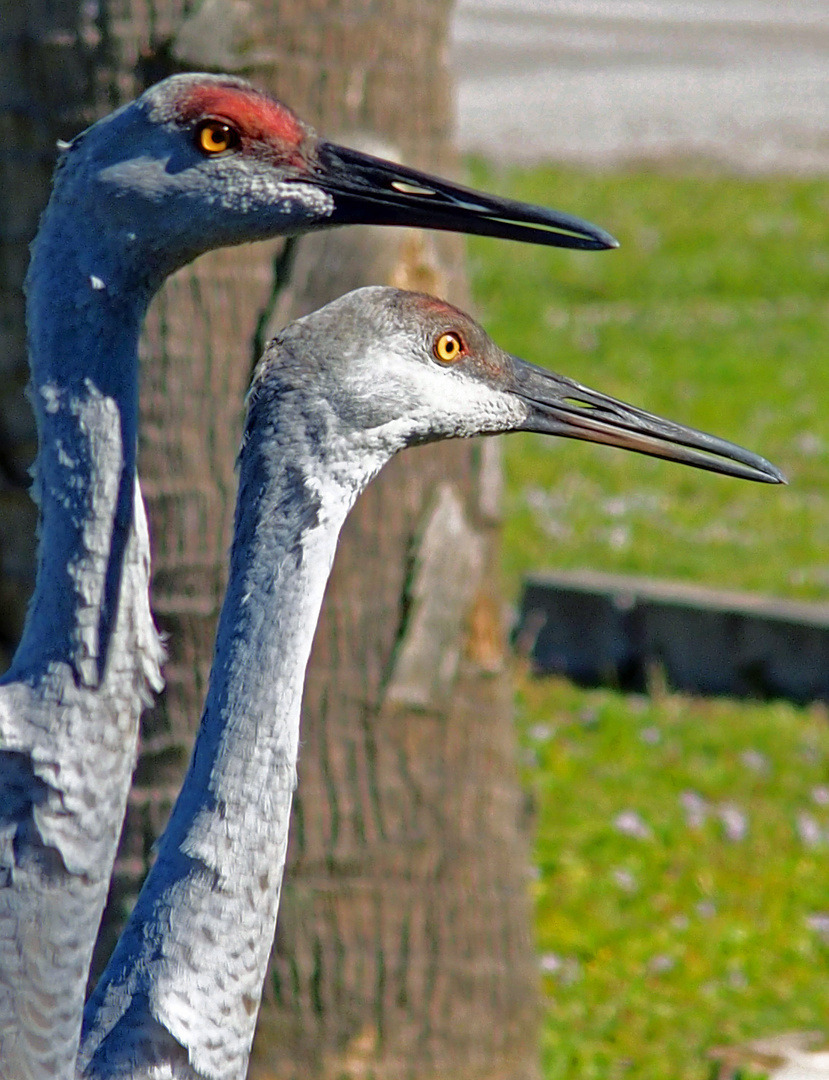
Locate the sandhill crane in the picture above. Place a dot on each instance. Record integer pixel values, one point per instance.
(197, 162)
(336, 394)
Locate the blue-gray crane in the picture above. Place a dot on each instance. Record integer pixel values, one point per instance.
(197, 162)
(336, 394)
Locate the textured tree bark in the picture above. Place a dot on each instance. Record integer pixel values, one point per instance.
(404, 947)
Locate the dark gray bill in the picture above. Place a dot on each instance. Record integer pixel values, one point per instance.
(370, 191)
(559, 406)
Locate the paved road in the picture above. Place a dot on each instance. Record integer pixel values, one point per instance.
(744, 82)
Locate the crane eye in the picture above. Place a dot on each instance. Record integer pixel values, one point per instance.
(216, 137)
(448, 347)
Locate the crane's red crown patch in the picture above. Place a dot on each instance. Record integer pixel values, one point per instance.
(431, 305)
(255, 115)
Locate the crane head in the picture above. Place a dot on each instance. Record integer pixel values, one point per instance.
(385, 369)
(204, 161)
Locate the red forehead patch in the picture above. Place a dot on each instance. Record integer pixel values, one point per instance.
(479, 351)
(255, 115)
(430, 305)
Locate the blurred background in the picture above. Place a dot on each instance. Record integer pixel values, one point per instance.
(741, 82)
(677, 848)
(682, 844)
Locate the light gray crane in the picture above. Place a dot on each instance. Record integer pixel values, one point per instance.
(197, 162)
(334, 397)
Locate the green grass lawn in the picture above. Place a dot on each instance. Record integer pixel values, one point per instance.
(682, 845)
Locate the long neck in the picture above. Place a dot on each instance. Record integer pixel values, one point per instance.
(84, 315)
(193, 958)
(70, 704)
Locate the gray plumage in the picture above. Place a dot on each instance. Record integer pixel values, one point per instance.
(198, 162)
(335, 396)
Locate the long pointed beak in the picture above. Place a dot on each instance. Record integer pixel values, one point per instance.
(559, 406)
(370, 191)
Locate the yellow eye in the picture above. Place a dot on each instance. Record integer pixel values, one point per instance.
(448, 348)
(215, 137)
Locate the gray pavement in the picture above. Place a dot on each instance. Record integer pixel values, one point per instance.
(744, 83)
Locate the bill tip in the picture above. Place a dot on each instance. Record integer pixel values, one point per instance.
(603, 241)
(774, 475)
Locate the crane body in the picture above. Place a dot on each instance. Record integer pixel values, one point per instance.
(336, 395)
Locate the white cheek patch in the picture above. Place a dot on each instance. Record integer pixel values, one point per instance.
(430, 400)
(253, 188)
(245, 188)
(312, 197)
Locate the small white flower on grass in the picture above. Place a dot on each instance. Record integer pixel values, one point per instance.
(661, 964)
(624, 879)
(820, 795)
(618, 506)
(631, 824)
(618, 537)
(706, 909)
(541, 732)
(695, 807)
(734, 821)
(754, 760)
(565, 969)
(810, 444)
(819, 922)
(589, 718)
(809, 831)
(546, 511)
(549, 963)
(650, 735)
